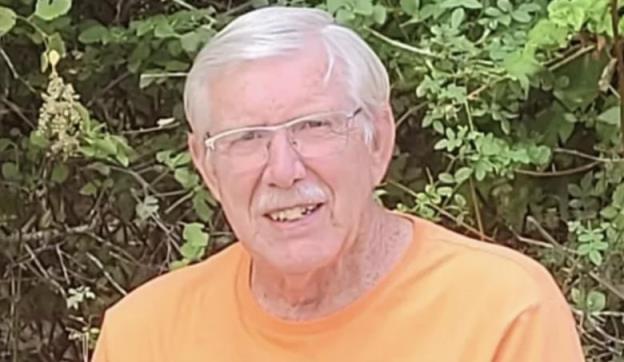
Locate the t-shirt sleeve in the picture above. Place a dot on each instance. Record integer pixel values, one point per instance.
(544, 332)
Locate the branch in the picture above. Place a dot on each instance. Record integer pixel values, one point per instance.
(605, 283)
(44, 235)
(586, 156)
(16, 109)
(567, 172)
(403, 46)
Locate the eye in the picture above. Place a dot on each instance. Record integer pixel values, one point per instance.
(314, 123)
(249, 136)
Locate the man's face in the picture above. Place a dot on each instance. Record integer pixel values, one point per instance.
(324, 197)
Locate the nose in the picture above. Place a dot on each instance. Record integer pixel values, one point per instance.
(284, 165)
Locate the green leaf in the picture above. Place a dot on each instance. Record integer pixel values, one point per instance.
(192, 252)
(493, 12)
(410, 7)
(146, 208)
(52, 9)
(191, 42)
(504, 5)
(438, 126)
(59, 173)
(163, 29)
(521, 65)
(56, 43)
(139, 54)
(93, 34)
(457, 17)
(441, 144)
(521, 16)
(446, 178)
(5, 143)
(363, 7)
(577, 296)
(584, 249)
(188, 179)
(89, 189)
(463, 174)
(610, 116)
(103, 169)
(548, 34)
(445, 191)
(10, 171)
(7, 20)
(618, 196)
(193, 234)
(203, 211)
(379, 14)
(334, 5)
(178, 264)
(468, 4)
(595, 257)
(596, 301)
(122, 158)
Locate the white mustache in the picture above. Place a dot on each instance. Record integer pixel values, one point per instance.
(300, 193)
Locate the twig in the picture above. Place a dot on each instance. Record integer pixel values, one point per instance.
(475, 203)
(619, 293)
(586, 156)
(409, 112)
(16, 109)
(107, 275)
(444, 213)
(9, 63)
(603, 333)
(572, 57)
(179, 202)
(108, 87)
(474, 94)
(567, 172)
(531, 220)
(44, 235)
(43, 271)
(150, 130)
(542, 244)
(403, 46)
(605, 283)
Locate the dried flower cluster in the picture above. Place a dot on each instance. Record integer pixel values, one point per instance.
(60, 117)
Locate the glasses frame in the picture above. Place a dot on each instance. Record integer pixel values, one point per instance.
(209, 142)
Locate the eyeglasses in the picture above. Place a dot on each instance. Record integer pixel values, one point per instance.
(311, 136)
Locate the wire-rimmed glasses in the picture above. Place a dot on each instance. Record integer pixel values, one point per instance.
(311, 136)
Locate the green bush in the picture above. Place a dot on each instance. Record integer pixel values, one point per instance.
(509, 129)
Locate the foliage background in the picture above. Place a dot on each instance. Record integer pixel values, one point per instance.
(509, 124)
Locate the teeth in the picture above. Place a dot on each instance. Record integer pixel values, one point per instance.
(291, 214)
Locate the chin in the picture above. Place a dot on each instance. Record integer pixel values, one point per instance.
(303, 260)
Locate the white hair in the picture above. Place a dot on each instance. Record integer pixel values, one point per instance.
(274, 31)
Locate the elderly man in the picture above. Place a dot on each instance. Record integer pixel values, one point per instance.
(291, 131)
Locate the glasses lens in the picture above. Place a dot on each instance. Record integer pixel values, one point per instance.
(320, 136)
(243, 143)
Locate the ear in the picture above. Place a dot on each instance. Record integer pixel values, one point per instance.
(382, 145)
(202, 164)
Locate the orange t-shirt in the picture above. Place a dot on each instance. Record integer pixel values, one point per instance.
(450, 299)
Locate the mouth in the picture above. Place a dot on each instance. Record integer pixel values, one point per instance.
(293, 214)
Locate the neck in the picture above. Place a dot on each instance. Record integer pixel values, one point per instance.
(376, 249)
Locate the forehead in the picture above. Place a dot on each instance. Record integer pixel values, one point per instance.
(273, 90)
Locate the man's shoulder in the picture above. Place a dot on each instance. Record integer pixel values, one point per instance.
(167, 291)
(487, 266)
